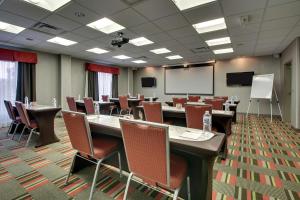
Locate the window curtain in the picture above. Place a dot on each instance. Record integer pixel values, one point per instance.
(93, 88)
(26, 82)
(115, 91)
(8, 85)
(104, 84)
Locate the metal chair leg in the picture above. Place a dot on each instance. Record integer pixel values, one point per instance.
(176, 192)
(29, 137)
(95, 179)
(10, 127)
(16, 128)
(22, 133)
(188, 184)
(120, 164)
(70, 170)
(127, 186)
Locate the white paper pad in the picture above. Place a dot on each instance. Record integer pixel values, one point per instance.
(196, 136)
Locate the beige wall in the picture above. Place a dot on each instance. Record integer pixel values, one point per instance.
(260, 65)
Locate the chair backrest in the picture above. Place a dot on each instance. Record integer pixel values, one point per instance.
(10, 110)
(181, 101)
(79, 132)
(153, 112)
(142, 97)
(225, 98)
(147, 150)
(72, 104)
(104, 98)
(217, 104)
(123, 102)
(23, 113)
(194, 98)
(194, 115)
(89, 105)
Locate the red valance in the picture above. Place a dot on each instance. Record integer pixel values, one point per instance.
(18, 56)
(101, 68)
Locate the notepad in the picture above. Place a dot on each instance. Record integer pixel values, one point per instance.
(197, 136)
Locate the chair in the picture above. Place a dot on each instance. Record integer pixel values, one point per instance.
(72, 104)
(14, 119)
(194, 115)
(29, 124)
(104, 98)
(217, 104)
(142, 98)
(193, 98)
(124, 104)
(89, 105)
(94, 150)
(153, 112)
(222, 97)
(181, 101)
(149, 158)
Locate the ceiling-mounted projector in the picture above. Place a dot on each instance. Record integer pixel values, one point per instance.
(119, 40)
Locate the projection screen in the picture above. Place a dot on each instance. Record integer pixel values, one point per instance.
(191, 80)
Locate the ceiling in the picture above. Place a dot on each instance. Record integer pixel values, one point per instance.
(272, 25)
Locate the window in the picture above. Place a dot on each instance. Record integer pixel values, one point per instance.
(104, 84)
(8, 87)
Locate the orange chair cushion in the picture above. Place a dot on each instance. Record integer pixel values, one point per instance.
(33, 124)
(103, 146)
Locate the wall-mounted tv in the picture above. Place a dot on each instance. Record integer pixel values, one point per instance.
(239, 79)
(148, 82)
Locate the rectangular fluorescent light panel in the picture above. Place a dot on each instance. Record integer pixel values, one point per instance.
(140, 41)
(61, 41)
(139, 61)
(221, 51)
(50, 5)
(10, 28)
(122, 57)
(186, 4)
(174, 57)
(209, 26)
(106, 25)
(97, 50)
(160, 51)
(218, 41)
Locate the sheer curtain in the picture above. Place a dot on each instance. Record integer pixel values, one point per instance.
(8, 87)
(104, 84)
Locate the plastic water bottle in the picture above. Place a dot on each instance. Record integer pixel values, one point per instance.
(26, 101)
(97, 109)
(227, 106)
(232, 100)
(79, 97)
(207, 122)
(54, 102)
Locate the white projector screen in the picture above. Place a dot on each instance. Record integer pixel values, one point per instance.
(191, 80)
(262, 86)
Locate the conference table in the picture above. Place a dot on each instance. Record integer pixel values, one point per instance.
(132, 103)
(104, 106)
(44, 117)
(146, 98)
(200, 155)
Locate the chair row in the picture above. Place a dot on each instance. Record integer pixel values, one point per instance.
(217, 102)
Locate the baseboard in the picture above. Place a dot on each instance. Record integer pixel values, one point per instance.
(296, 129)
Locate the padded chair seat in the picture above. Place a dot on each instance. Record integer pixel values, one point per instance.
(178, 171)
(103, 146)
(33, 124)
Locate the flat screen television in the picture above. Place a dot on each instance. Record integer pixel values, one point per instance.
(239, 79)
(148, 82)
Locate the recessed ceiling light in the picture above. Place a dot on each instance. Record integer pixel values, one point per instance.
(140, 41)
(48, 4)
(97, 50)
(160, 51)
(10, 28)
(122, 57)
(106, 25)
(61, 41)
(174, 57)
(209, 26)
(218, 41)
(139, 61)
(186, 4)
(221, 51)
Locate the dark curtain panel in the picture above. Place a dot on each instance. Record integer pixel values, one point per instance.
(93, 88)
(26, 85)
(115, 92)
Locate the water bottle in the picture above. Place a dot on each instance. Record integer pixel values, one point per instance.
(232, 100)
(227, 106)
(207, 122)
(26, 101)
(54, 102)
(97, 109)
(79, 97)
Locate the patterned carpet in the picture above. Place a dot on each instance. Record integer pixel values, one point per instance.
(263, 163)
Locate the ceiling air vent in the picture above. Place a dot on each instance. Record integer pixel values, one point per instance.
(200, 50)
(142, 58)
(47, 28)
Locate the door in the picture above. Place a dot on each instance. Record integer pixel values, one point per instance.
(287, 91)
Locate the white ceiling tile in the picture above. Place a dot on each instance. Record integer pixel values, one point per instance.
(36, 35)
(24, 9)
(24, 41)
(70, 9)
(159, 37)
(171, 22)
(277, 2)
(190, 39)
(255, 17)
(16, 19)
(251, 28)
(74, 37)
(244, 38)
(182, 32)
(5, 36)
(61, 22)
(103, 7)
(273, 33)
(128, 18)
(283, 10)
(88, 32)
(155, 9)
(145, 29)
(232, 7)
(284, 23)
